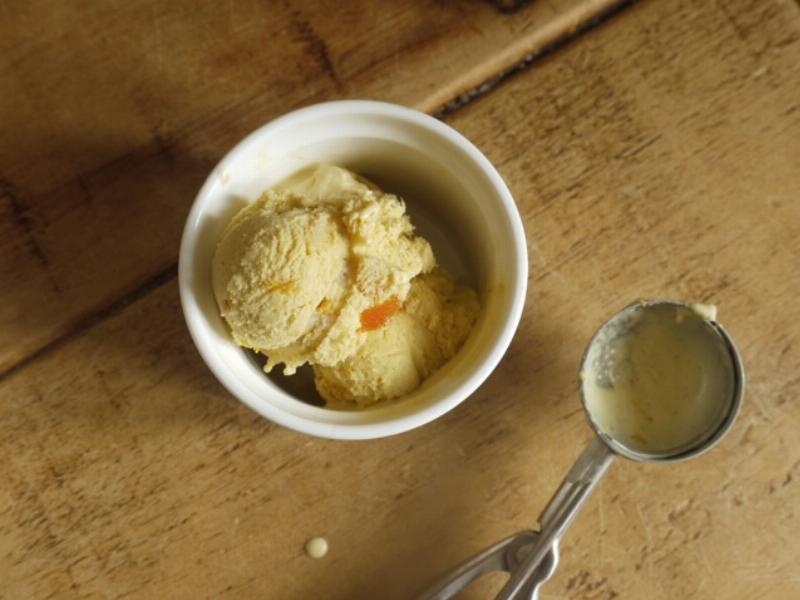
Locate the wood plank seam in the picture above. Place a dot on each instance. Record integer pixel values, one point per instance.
(167, 275)
(526, 61)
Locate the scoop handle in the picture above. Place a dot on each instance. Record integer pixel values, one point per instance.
(502, 556)
(562, 509)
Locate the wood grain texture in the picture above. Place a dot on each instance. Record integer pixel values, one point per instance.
(115, 112)
(657, 156)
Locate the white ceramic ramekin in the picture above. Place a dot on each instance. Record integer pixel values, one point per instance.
(456, 199)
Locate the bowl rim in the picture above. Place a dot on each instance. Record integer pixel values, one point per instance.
(396, 424)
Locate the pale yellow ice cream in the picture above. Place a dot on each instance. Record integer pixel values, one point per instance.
(277, 261)
(433, 323)
(320, 268)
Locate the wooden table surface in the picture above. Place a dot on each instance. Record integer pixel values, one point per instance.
(653, 149)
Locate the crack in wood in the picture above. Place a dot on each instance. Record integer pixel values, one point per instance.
(21, 214)
(87, 194)
(315, 46)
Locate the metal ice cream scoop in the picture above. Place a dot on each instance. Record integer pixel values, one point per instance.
(661, 381)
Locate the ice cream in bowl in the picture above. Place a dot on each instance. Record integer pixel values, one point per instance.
(353, 269)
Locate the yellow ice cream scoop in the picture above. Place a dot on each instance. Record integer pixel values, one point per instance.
(326, 269)
(276, 263)
(404, 344)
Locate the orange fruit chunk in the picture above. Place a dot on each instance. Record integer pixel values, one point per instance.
(378, 315)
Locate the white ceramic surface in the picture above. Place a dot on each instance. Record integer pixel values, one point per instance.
(456, 199)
